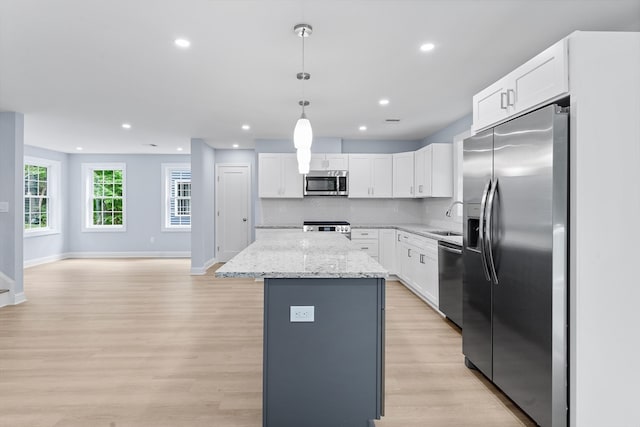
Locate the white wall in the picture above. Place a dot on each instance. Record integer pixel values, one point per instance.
(203, 206)
(604, 231)
(11, 191)
(50, 247)
(143, 235)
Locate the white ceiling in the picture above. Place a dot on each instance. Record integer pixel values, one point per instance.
(78, 69)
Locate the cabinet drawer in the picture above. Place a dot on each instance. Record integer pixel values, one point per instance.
(369, 246)
(364, 233)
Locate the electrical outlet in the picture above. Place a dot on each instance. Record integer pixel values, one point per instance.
(301, 313)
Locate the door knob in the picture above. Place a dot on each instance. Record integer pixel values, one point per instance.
(244, 219)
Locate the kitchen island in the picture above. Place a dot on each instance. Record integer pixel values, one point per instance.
(323, 351)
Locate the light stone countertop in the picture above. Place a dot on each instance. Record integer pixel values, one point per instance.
(419, 229)
(297, 254)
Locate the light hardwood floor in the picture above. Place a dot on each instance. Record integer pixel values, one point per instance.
(140, 342)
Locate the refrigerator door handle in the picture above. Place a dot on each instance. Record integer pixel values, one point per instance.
(489, 238)
(481, 235)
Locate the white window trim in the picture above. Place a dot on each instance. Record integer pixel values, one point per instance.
(53, 188)
(165, 201)
(87, 190)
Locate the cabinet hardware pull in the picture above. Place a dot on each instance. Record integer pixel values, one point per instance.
(409, 253)
(364, 248)
(503, 98)
(411, 189)
(511, 102)
(420, 188)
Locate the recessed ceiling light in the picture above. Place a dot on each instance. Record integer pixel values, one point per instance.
(362, 128)
(126, 126)
(383, 101)
(183, 43)
(179, 148)
(235, 145)
(79, 148)
(246, 127)
(427, 47)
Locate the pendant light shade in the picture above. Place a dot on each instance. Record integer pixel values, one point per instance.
(304, 160)
(302, 133)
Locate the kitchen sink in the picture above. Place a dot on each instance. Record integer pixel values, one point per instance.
(444, 233)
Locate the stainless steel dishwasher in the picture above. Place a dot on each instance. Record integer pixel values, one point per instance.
(450, 281)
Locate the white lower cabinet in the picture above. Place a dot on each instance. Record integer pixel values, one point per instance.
(417, 260)
(387, 249)
(367, 240)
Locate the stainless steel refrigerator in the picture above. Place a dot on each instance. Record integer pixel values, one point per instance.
(515, 260)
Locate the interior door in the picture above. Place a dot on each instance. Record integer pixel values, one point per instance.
(233, 192)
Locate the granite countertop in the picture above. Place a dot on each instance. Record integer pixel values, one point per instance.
(419, 229)
(297, 254)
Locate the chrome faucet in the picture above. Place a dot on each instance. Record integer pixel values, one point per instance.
(448, 213)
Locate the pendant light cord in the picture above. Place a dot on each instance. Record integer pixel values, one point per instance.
(303, 74)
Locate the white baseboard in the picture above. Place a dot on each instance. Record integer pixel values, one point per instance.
(69, 255)
(19, 298)
(131, 254)
(199, 271)
(43, 260)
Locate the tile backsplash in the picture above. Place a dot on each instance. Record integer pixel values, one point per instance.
(356, 211)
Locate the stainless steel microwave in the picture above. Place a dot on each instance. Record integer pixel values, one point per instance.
(326, 183)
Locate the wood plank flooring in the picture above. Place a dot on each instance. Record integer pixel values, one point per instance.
(140, 342)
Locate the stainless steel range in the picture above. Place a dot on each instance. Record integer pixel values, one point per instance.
(342, 227)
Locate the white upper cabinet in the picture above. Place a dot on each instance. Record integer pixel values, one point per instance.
(370, 175)
(278, 176)
(541, 79)
(403, 176)
(434, 171)
(329, 161)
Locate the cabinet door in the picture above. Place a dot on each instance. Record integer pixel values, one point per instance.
(540, 79)
(381, 175)
(269, 175)
(387, 249)
(339, 162)
(403, 184)
(291, 179)
(420, 171)
(404, 261)
(441, 176)
(428, 267)
(490, 105)
(318, 162)
(359, 175)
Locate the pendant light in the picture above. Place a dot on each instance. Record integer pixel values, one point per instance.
(303, 133)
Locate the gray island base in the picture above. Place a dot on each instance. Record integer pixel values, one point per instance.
(323, 330)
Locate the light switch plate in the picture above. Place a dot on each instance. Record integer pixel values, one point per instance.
(4, 207)
(302, 313)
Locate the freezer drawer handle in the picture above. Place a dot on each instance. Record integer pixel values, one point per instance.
(481, 236)
(490, 231)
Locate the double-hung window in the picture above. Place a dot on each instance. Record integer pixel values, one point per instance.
(41, 184)
(105, 196)
(176, 189)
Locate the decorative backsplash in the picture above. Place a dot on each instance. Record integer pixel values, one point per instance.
(356, 211)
